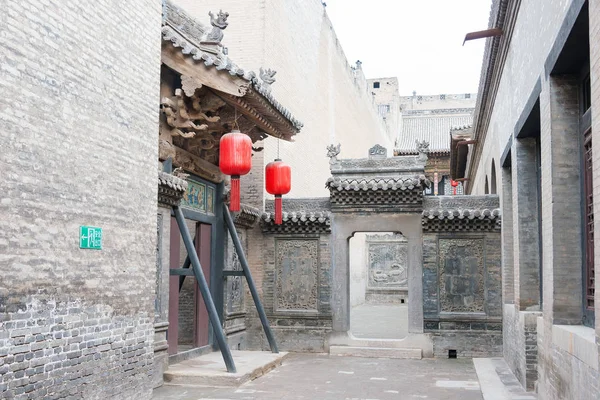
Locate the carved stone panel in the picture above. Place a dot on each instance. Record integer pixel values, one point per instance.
(234, 285)
(461, 275)
(296, 275)
(388, 265)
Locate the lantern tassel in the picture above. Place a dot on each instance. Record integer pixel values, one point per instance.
(278, 210)
(234, 202)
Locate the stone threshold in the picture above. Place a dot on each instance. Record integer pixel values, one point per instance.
(497, 382)
(209, 369)
(376, 352)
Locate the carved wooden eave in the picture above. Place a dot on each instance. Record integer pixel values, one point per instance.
(186, 51)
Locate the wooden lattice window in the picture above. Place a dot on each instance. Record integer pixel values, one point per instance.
(589, 220)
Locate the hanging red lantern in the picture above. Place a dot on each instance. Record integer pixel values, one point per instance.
(235, 159)
(454, 185)
(279, 182)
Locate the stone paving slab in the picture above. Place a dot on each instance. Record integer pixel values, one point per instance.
(325, 377)
(210, 369)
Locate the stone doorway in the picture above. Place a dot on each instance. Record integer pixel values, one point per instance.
(378, 265)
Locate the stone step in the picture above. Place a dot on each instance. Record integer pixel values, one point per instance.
(376, 352)
(209, 369)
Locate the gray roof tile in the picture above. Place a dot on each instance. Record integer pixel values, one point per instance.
(435, 129)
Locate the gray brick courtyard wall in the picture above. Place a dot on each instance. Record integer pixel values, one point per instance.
(292, 271)
(475, 333)
(78, 104)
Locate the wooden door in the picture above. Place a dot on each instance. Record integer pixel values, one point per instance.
(203, 245)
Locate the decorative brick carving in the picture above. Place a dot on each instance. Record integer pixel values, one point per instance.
(377, 151)
(296, 275)
(234, 286)
(461, 275)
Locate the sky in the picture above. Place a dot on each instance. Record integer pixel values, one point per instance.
(418, 41)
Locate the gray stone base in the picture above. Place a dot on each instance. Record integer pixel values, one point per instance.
(419, 341)
(386, 296)
(469, 344)
(210, 369)
(237, 341)
(161, 355)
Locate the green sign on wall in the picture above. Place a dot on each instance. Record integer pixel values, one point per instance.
(90, 237)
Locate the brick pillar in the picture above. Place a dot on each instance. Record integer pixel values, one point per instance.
(508, 269)
(525, 223)
(561, 200)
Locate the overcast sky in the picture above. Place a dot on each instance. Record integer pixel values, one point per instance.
(419, 41)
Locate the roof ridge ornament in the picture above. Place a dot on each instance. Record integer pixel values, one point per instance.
(377, 151)
(332, 152)
(423, 149)
(219, 23)
(267, 76)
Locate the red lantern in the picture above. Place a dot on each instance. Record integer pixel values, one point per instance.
(454, 185)
(235, 159)
(279, 182)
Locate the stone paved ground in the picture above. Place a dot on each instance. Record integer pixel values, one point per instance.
(324, 377)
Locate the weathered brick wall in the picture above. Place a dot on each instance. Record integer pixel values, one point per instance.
(78, 105)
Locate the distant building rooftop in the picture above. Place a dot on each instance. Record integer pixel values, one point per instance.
(430, 118)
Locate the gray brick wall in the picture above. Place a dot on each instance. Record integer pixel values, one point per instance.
(78, 109)
(520, 344)
(564, 377)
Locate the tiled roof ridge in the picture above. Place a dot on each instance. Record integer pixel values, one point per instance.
(299, 216)
(441, 214)
(402, 183)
